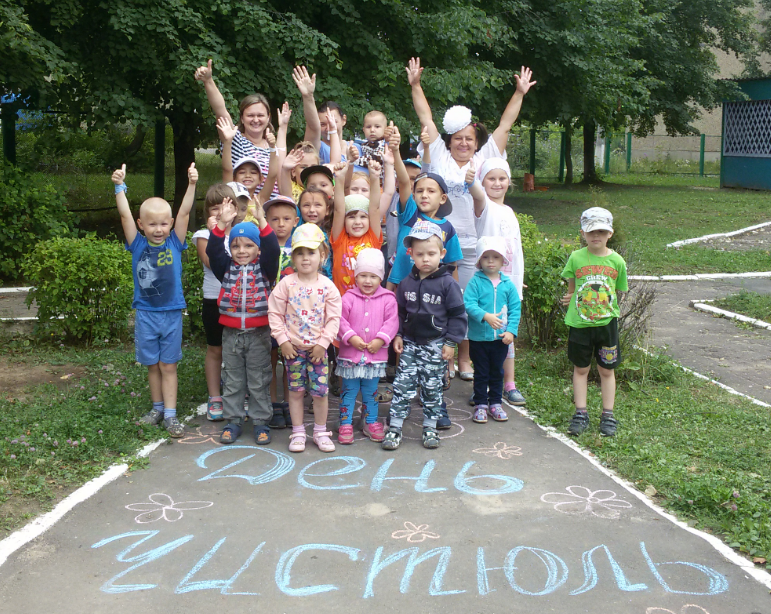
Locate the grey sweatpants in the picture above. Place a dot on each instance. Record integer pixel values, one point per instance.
(419, 365)
(246, 367)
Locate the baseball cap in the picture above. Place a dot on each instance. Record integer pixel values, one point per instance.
(239, 189)
(316, 168)
(596, 218)
(356, 202)
(422, 230)
(279, 200)
(446, 208)
(307, 235)
(246, 159)
(413, 162)
(491, 244)
(250, 230)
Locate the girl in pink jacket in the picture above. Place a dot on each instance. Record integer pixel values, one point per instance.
(368, 324)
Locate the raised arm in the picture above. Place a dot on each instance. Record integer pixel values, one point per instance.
(285, 174)
(270, 180)
(214, 96)
(402, 176)
(227, 132)
(338, 219)
(353, 155)
(126, 219)
(389, 181)
(419, 101)
(183, 215)
(476, 190)
(374, 198)
(510, 114)
(307, 85)
(335, 141)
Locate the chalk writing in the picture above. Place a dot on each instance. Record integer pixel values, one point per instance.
(689, 608)
(162, 507)
(414, 533)
(352, 464)
(500, 450)
(285, 563)
(580, 500)
(224, 586)
(283, 464)
(437, 580)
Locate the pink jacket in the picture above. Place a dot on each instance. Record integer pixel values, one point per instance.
(369, 317)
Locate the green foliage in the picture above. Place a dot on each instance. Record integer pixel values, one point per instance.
(83, 288)
(542, 313)
(192, 284)
(29, 213)
(747, 303)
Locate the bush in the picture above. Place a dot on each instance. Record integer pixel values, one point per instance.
(83, 288)
(30, 213)
(192, 284)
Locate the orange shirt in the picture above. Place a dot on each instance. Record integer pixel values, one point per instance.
(345, 249)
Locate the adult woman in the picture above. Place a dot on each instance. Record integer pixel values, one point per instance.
(254, 120)
(451, 152)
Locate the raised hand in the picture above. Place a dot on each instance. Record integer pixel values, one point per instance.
(331, 121)
(395, 140)
(192, 174)
(304, 82)
(119, 176)
(353, 154)
(414, 71)
(293, 158)
(388, 130)
(524, 82)
(203, 73)
(424, 136)
(284, 114)
(226, 129)
(470, 173)
(227, 214)
(271, 138)
(211, 222)
(256, 210)
(388, 156)
(374, 166)
(339, 169)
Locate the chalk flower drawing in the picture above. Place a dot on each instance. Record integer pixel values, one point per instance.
(501, 450)
(686, 609)
(199, 437)
(163, 507)
(579, 500)
(414, 534)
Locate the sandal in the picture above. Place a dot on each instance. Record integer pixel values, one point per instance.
(384, 396)
(297, 442)
(498, 414)
(323, 441)
(261, 435)
(392, 439)
(231, 432)
(480, 414)
(430, 438)
(466, 376)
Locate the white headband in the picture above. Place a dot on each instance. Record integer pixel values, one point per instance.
(456, 119)
(491, 164)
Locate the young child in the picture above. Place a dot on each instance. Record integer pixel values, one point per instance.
(216, 196)
(430, 203)
(494, 218)
(315, 208)
(432, 321)
(355, 226)
(246, 275)
(493, 308)
(595, 275)
(368, 324)
(304, 312)
(156, 263)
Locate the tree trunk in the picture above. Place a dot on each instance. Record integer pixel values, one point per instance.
(590, 172)
(185, 140)
(568, 154)
(136, 143)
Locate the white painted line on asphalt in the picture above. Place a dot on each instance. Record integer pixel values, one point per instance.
(12, 290)
(703, 307)
(719, 235)
(701, 276)
(746, 565)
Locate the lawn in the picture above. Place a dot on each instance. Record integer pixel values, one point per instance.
(750, 304)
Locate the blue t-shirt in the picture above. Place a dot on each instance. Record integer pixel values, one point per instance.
(324, 157)
(402, 260)
(157, 271)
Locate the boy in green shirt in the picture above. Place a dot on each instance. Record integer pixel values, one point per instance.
(595, 274)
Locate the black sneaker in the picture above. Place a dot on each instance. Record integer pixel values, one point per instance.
(278, 421)
(608, 425)
(578, 423)
(444, 422)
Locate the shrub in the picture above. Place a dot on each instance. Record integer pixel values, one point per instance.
(83, 288)
(30, 213)
(192, 284)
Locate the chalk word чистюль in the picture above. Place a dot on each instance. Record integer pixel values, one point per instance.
(328, 562)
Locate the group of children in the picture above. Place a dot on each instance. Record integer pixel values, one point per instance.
(293, 256)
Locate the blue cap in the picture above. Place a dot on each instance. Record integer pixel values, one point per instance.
(250, 230)
(413, 162)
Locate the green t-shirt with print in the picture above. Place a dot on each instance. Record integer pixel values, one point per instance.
(594, 302)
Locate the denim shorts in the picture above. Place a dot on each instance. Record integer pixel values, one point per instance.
(158, 336)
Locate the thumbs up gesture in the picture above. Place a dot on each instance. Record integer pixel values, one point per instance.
(119, 176)
(192, 173)
(204, 73)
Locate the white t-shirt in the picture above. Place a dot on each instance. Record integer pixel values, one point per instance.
(500, 221)
(211, 285)
(442, 163)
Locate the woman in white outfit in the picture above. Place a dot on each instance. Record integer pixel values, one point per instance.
(451, 152)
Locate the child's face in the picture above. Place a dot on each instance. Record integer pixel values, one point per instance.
(321, 182)
(496, 183)
(242, 206)
(306, 260)
(282, 219)
(357, 223)
(429, 196)
(156, 222)
(427, 254)
(308, 160)
(215, 211)
(313, 208)
(244, 250)
(359, 186)
(491, 262)
(597, 240)
(368, 283)
(374, 126)
(248, 175)
(255, 119)
(413, 172)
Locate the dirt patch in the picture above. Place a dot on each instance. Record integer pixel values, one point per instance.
(16, 378)
(17, 511)
(756, 239)
(12, 306)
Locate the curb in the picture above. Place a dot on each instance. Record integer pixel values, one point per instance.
(12, 290)
(701, 276)
(701, 305)
(719, 235)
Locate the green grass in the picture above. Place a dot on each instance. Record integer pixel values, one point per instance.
(750, 304)
(654, 210)
(58, 438)
(706, 452)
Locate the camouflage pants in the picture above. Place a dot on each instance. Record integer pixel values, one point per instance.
(419, 365)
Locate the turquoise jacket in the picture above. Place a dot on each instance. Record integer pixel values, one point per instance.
(481, 298)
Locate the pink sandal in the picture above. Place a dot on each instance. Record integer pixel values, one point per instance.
(297, 442)
(323, 441)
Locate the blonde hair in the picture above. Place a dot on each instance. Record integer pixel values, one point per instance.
(323, 251)
(360, 175)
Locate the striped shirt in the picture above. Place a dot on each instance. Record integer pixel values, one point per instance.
(244, 148)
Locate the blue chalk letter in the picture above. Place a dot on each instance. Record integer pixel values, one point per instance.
(590, 574)
(554, 565)
(434, 589)
(352, 464)
(223, 585)
(281, 467)
(462, 483)
(421, 482)
(287, 560)
(718, 583)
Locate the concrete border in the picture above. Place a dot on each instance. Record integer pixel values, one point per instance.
(701, 305)
(12, 290)
(700, 276)
(719, 235)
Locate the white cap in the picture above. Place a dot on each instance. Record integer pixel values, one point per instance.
(239, 188)
(596, 218)
(491, 244)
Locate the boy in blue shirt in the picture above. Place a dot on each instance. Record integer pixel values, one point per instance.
(156, 265)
